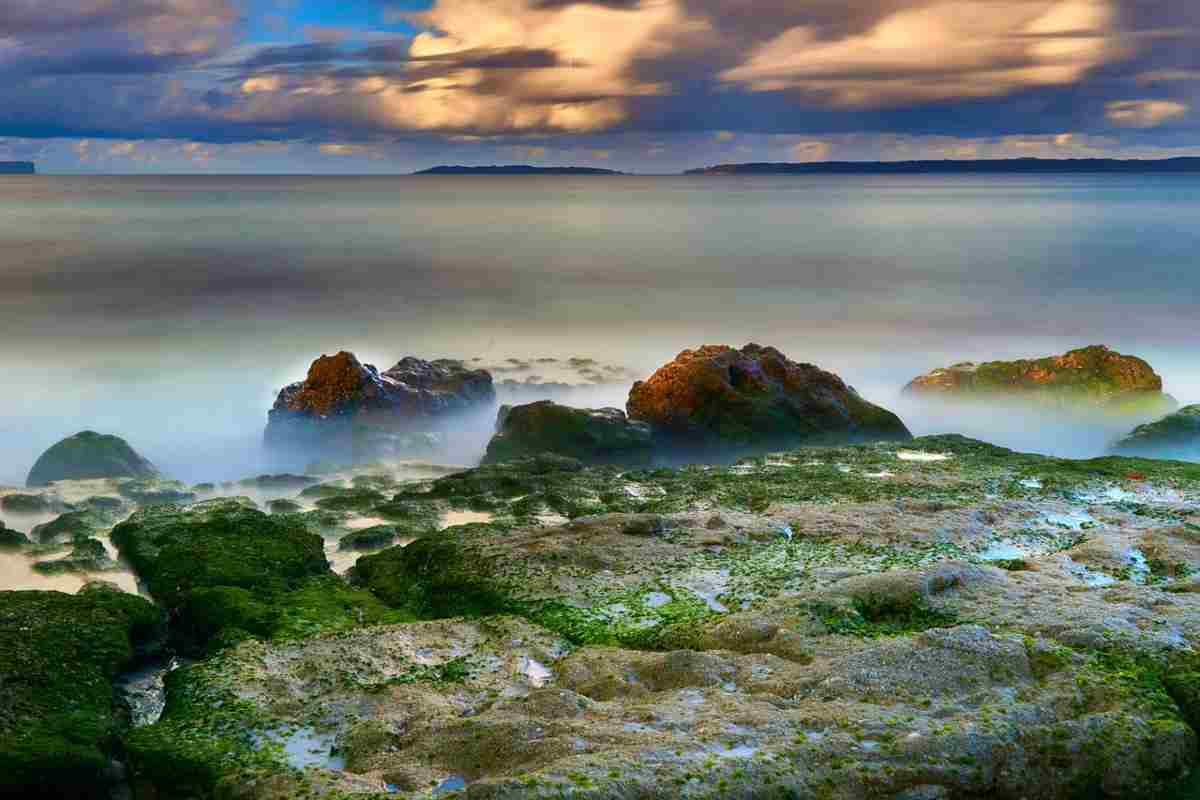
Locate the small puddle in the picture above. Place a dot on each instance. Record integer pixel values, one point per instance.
(452, 784)
(303, 747)
(537, 673)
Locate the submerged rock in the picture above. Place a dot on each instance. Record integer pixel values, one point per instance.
(596, 436)
(89, 455)
(28, 504)
(717, 397)
(1090, 377)
(1174, 436)
(350, 409)
(59, 654)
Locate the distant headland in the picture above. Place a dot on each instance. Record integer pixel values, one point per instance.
(17, 168)
(1016, 166)
(515, 169)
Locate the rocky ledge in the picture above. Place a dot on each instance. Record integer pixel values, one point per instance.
(344, 407)
(1092, 377)
(603, 435)
(938, 618)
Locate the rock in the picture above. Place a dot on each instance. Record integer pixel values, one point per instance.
(155, 492)
(27, 503)
(284, 506)
(10, 539)
(89, 455)
(200, 560)
(373, 538)
(794, 627)
(595, 436)
(282, 481)
(59, 654)
(719, 398)
(86, 556)
(1174, 436)
(1090, 377)
(349, 409)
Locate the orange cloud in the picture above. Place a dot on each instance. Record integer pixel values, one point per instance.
(942, 51)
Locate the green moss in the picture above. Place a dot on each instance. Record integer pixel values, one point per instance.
(58, 656)
(870, 618)
(372, 538)
(24, 503)
(351, 500)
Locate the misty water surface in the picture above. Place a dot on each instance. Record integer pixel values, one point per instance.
(171, 309)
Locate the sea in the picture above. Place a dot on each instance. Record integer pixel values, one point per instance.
(170, 310)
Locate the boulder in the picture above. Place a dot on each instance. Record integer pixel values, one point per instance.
(1174, 436)
(1090, 377)
(88, 455)
(10, 539)
(349, 409)
(59, 721)
(719, 397)
(592, 435)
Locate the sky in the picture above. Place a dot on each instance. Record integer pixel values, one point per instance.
(347, 86)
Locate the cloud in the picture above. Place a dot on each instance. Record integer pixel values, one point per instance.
(339, 149)
(810, 150)
(724, 136)
(1144, 113)
(937, 52)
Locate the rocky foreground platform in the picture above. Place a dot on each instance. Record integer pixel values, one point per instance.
(937, 618)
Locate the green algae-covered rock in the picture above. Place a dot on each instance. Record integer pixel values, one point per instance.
(1174, 436)
(595, 436)
(58, 656)
(87, 555)
(216, 543)
(718, 399)
(10, 539)
(372, 538)
(89, 455)
(1091, 377)
(25, 503)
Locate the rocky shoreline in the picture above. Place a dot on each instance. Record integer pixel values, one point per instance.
(878, 617)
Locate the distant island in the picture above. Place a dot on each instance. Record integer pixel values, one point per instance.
(954, 167)
(515, 169)
(17, 168)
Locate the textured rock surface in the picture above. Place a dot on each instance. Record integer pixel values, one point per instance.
(1174, 436)
(89, 455)
(351, 408)
(592, 435)
(719, 397)
(944, 620)
(1089, 377)
(58, 719)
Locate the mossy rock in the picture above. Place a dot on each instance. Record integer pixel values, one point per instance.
(217, 543)
(71, 525)
(87, 555)
(153, 492)
(351, 500)
(59, 654)
(284, 507)
(594, 436)
(1174, 436)
(25, 503)
(281, 481)
(89, 455)
(10, 539)
(372, 538)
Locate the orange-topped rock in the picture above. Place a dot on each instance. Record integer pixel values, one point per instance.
(717, 396)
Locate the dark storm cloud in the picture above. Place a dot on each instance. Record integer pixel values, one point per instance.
(966, 68)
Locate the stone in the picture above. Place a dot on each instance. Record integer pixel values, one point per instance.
(59, 654)
(591, 435)
(1093, 377)
(719, 399)
(1176, 435)
(88, 455)
(347, 409)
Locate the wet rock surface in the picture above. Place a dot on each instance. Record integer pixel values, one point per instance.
(932, 618)
(1093, 377)
(89, 455)
(716, 398)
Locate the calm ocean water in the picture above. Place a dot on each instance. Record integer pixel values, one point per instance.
(171, 309)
